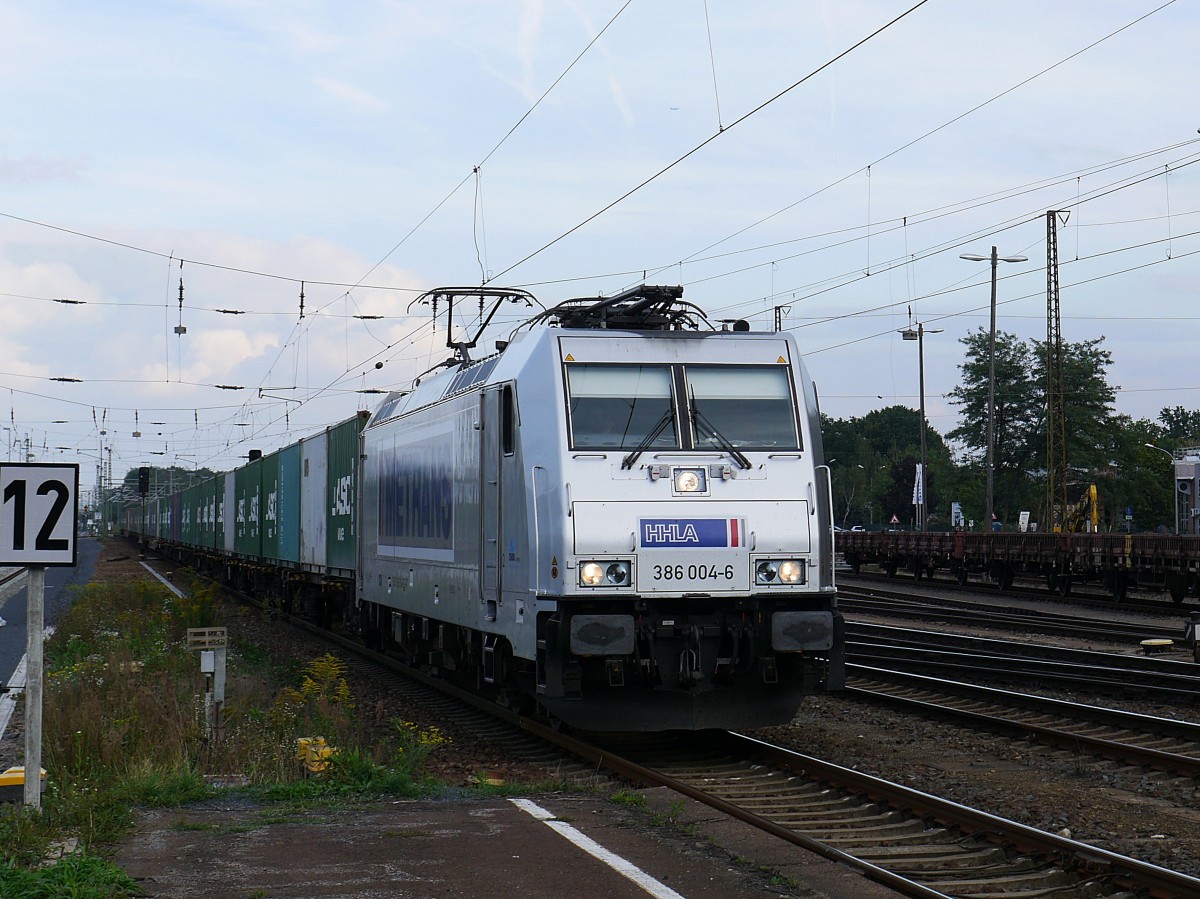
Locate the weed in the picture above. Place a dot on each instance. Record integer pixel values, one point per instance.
(672, 816)
(78, 874)
(631, 798)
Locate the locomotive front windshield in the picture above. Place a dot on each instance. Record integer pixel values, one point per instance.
(698, 407)
(741, 406)
(622, 406)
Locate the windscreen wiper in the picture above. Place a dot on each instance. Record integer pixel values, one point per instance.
(645, 442)
(723, 442)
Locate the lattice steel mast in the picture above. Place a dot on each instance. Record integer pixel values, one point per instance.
(1056, 411)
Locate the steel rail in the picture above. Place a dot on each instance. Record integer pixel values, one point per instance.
(645, 776)
(12, 575)
(1153, 672)
(881, 602)
(1160, 881)
(1097, 597)
(1105, 747)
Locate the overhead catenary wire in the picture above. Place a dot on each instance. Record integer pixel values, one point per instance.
(761, 106)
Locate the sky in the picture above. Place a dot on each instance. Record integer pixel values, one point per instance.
(826, 162)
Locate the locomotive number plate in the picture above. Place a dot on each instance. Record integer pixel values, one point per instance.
(691, 573)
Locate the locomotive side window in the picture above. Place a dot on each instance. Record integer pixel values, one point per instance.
(621, 407)
(507, 421)
(741, 406)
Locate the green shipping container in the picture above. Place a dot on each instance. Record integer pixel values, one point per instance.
(189, 526)
(247, 522)
(270, 507)
(341, 494)
(208, 514)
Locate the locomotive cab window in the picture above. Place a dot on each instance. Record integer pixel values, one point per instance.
(621, 407)
(695, 407)
(741, 406)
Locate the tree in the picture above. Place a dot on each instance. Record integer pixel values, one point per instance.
(1019, 443)
(1019, 406)
(1088, 400)
(1142, 480)
(1180, 426)
(873, 461)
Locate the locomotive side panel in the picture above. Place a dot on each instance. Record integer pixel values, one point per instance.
(421, 518)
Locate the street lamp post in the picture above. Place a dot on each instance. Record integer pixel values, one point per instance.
(1174, 487)
(991, 415)
(919, 336)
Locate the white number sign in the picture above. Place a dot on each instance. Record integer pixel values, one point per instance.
(38, 512)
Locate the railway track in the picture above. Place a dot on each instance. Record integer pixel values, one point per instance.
(912, 842)
(906, 604)
(915, 843)
(9, 575)
(1095, 599)
(885, 646)
(1161, 744)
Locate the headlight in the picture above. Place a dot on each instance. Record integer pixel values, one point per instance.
(601, 574)
(690, 480)
(779, 571)
(617, 573)
(791, 572)
(591, 574)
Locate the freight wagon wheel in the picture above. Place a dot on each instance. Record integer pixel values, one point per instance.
(960, 576)
(1004, 577)
(1058, 581)
(1119, 585)
(889, 568)
(1178, 585)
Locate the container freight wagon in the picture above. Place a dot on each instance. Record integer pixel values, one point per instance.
(281, 526)
(622, 519)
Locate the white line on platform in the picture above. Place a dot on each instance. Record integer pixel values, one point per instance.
(594, 849)
(16, 686)
(167, 583)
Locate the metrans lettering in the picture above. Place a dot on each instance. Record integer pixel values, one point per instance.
(691, 532)
(416, 495)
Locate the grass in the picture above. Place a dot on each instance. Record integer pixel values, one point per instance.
(124, 725)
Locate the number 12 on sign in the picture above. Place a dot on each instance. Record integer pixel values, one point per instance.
(38, 513)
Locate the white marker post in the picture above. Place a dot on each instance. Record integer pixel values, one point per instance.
(39, 512)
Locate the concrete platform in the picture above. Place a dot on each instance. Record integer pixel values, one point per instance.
(555, 845)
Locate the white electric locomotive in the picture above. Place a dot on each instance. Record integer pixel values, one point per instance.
(623, 517)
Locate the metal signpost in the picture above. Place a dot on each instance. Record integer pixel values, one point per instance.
(39, 511)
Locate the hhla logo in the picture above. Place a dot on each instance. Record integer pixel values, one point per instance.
(669, 532)
(701, 533)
